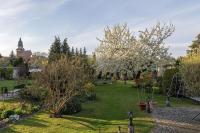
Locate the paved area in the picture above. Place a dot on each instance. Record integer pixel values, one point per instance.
(10, 95)
(176, 120)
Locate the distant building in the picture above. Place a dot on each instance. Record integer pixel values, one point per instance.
(22, 53)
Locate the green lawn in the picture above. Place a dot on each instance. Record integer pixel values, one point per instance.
(11, 83)
(107, 113)
(8, 83)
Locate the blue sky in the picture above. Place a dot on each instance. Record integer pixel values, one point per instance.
(81, 21)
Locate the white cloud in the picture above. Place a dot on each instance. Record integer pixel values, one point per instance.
(14, 7)
(87, 39)
(15, 14)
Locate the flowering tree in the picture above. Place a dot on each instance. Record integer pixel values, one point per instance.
(121, 50)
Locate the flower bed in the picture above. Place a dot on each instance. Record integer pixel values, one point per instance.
(13, 110)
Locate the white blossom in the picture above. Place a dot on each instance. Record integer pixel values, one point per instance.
(121, 50)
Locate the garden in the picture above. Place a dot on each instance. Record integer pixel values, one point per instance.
(130, 84)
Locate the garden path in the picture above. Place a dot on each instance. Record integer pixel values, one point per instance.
(176, 120)
(196, 99)
(11, 95)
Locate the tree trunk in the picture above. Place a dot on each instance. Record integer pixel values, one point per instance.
(54, 115)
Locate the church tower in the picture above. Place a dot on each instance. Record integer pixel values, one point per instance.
(20, 45)
(20, 48)
(21, 52)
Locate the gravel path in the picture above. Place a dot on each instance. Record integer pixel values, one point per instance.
(176, 120)
(11, 95)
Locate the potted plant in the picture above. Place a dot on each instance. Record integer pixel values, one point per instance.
(142, 105)
(146, 85)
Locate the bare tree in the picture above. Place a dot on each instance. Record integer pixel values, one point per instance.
(64, 81)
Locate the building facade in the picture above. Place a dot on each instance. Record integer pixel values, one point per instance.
(22, 53)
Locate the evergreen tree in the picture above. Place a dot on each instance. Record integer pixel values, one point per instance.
(1, 55)
(18, 62)
(77, 53)
(65, 48)
(12, 55)
(85, 58)
(84, 51)
(57, 44)
(12, 58)
(55, 50)
(72, 51)
(81, 53)
(195, 45)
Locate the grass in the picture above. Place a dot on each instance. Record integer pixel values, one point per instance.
(11, 83)
(8, 83)
(107, 113)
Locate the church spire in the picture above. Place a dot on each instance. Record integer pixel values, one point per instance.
(20, 44)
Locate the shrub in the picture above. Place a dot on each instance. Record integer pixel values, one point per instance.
(156, 90)
(4, 90)
(21, 86)
(0, 113)
(159, 82)
(33, 94)
(6, 113)
(35, 108)
(64, 80)
(158, 85)
(27, 109)
(146, 81)
(73, 106)
(18, 111)
(6, 73)
(167, 79)
(190, 70)
(90, 91)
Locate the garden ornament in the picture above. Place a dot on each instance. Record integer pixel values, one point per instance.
(168, 102)
(14, 118)
(119, 129)
(148, 106)
(130, 126)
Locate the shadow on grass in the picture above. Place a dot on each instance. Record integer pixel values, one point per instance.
(8, 130)
(32, 122)
(87, 122)
(95, 124)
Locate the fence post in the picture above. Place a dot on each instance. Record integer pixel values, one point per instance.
(119, 129)
(99, 130)
(130, 125)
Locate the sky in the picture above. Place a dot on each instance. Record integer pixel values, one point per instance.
(37, 22)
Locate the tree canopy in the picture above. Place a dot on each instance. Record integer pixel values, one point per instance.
(195, 46)
(121, 50)
(59, 49)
